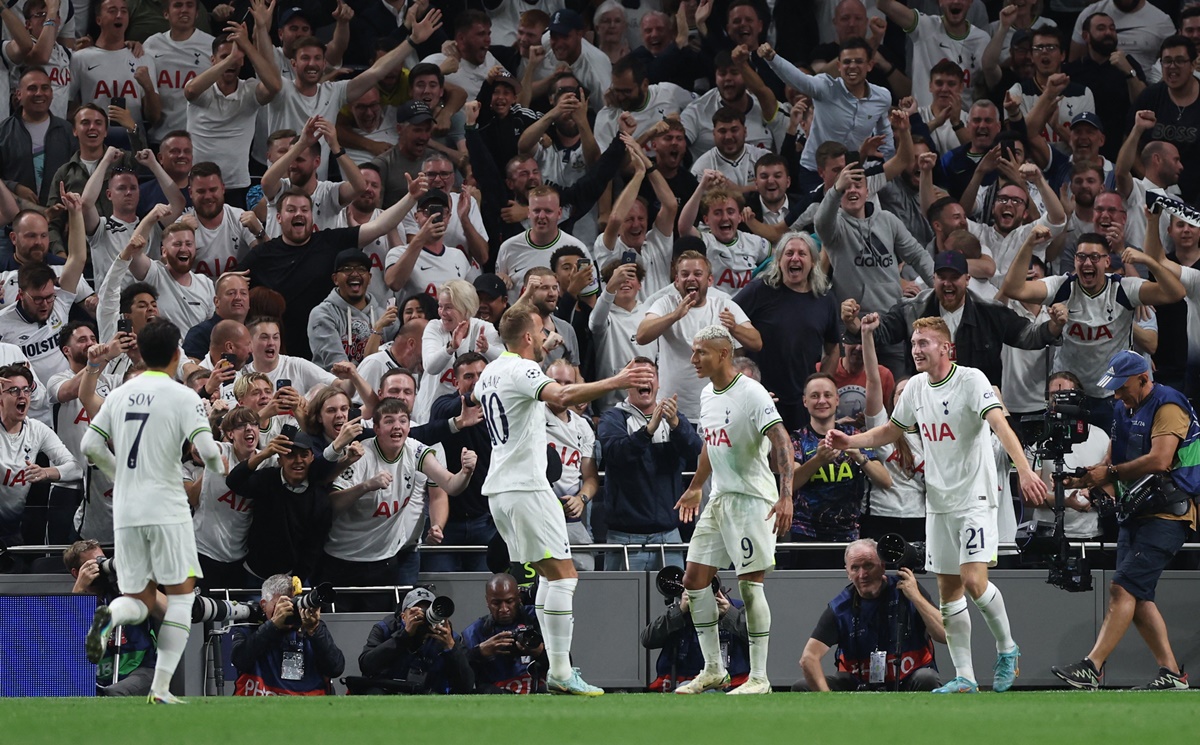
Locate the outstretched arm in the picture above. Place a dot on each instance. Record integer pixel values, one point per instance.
(391, 217)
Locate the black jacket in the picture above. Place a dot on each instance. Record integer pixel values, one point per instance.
(16, 153)
(389, 653)
(289, 529)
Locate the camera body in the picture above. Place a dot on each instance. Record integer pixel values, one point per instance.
(107, 579)
(1064, 424)
(320, 595)
(527, 638)
(900, 554)
(669, 582)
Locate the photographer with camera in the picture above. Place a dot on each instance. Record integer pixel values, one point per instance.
(95, 574)
(292, 653)
(1155, 435)
(415, 650)
(674, 633)
(884, 628)
(505, 647)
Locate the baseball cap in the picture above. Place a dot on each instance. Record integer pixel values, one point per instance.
(414, 112)
(1122, 367)
(506, 78)
(349, 256)
(416, 595)
(491, 285)
(288, 14)
(432, 196)
(1087, 117)
(565, 21)
(1020, 36)
(300, 442)
(951, 260)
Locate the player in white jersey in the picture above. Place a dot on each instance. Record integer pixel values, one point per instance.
(528, 516)
(148, 420)
(744, 442)
(949, 406)
(222, 517)
(734, 254)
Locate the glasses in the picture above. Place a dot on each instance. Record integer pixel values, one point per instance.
(439, 174)
(1002, 199)
(1090, 258)
(1045, 47)
(23, 391)
(354, 270)
(1176, 62)
(42, 299)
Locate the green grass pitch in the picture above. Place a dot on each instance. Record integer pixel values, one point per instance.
(1015, 718)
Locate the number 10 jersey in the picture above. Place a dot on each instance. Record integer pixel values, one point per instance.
(508, 390)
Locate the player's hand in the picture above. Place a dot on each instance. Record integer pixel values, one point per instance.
(908, 584)
(837, 439)
(283, 609)
(469, 458)
(501, 643)
(1032, 487)
(689, 505)
(781, 513)
(634, 375)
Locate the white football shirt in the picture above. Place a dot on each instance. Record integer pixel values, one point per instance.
(222, 129)
(218, 249)
(176, 63)
(734, 263)
(380, 523)
(734, 423)
(17, 453)
(1097, 327)
(222, 519)
(431, 270)
(97, 75)
(509, 391)
(183, 305)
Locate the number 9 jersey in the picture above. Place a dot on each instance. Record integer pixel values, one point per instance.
(508, 390)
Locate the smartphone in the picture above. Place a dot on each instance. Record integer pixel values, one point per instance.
(583, 264)
(124, 325)
(391, 303)
(283, 383)
(231, 359)
(629, 257)
(118, 101)
(435, 212)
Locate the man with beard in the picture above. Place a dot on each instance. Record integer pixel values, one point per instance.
(1142, 25)
(559, 339)
(228, 352)
(568, 48)
(729, 155)
(304, 284)
(668, 139)
(500, 662)
(466, 235)
(221, 108)
(1009, 227)
(223, 233)
(184, 297)
(1074, 99)
(1104, 68)
(426, 263)
(632, 93)
(1161, 169)
(1085, 184)
(532, 248)
(627, 229)
(414, 127)
(364, 209)
(301, 163)
(745, 93)
(949, 36)
(573, 147)
(471, 45)
(231, 303)
(1085, 138)
(349, 324)
(733, 254)
(1176, 106)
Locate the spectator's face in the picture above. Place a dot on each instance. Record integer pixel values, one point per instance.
(399, 386)
(368, 201)
(544, 214)
(265, 343)
(1008, 212)
(412, 309)
(951, 288)
(257, 395)
(334, 413)
(850, 20)
(629, 288)
(562, 373)
(77, 346)
(473, 43)
(31, 238)
(38, 302)
(983, 126)
(797, 262)
(1085, 187)
(901, 384)
(854, 199)
(113, 16)
(467, 376)
(503, 603)
(772, 182)
(913, 175)
(278, 148)
(626, 92)
(730, 84)
(928, 349)
(230, 75)
(503, 98)
(744, 26)
(1109, 212)
(1190, 27)
(1020, 58)
(645, 398)
(723, 218)
(1177, 67)
(90, 128)
(565, 268)
(239, 347)
(1091, 264)
(545, 297)
(491, 308)
(175, 155)
(1047, 54)
(529, 36)
(367, 111)
(1184, 234)
(1101, 36)
(829, 172)
(856, 64)
(566, 47)
(670, 147)
(295, 219)
(730, 138)
(610, 27)
(179, 249)
(35, 94)
(294, 465)
(413, 138)
(1169, 165)
(296, 27)
(440, 174)
(866, 572)
(123, 193)
(352, 281)
(633, 227)
(953, 218)
(208, 196)
(304, 166)
(692, 275)
(821, 397)
(656, 34)
(955, 11)
(946, 89)
(181, 14)
(448, 312)
(1086, 141)
(244, 438)
(392, 430)
(308, 64)
(14, 399)
(426, 88)
(233, 298)
(142, 310)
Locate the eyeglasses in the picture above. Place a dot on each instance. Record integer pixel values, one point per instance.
(439, 174)
(42, 299)
(15, 391)
(354, 270)
(1045, 47)
(1176, 62)
(1090, 258)
(1004, 199)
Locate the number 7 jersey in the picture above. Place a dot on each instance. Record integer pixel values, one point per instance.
(508, 391)
(148, 420)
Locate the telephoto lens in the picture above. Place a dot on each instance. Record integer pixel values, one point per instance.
(439, 611)
(206, 609)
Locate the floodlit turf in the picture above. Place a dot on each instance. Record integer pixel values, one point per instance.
(1016, 718)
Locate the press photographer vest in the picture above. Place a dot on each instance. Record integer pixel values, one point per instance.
(866, 626)
(1131, 436)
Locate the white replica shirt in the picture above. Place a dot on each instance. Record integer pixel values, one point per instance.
(218, 249)
(563, 166)
(519, 254)
(18, 451)
(454, 237)
(386, 134)
(574, 440)
(593, 68)
(375, 365)
(290, 110)
(183, 305)
(70, 418)
(734, 263)
(654, 257)
(739, 170)
(662, 100)
(438, 377)
(381, 523)
(507, 15)
(1005, 248)
(1077, 525)
(177, 62)
(97, 75)
(222, 519)
(734, 423)
(326, 204)
(1139, 34)
(676, 374)
(960, 473)
(222, 130)
(761, 130)
(9, 289)
(906, 496)
(431, 270)
(38, 341)
(931, 44)
(303, 373)
(58, 69)
(509, 391)
(469, 76)
(148, 420)
(614, 331)
(1098, 326)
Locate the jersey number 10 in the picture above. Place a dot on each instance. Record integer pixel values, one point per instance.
(496, 418)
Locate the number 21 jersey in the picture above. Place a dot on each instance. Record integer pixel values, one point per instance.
(508, 391)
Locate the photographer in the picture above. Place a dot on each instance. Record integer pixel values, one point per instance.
(1154, 432)
(862, 622)
(413, 655)
(86, 562)
(681, 658)
(292, 653)
(505, 647)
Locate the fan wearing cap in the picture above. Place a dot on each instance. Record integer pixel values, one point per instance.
(302, 163)
(350, 323)
(363, 210)
(426, 263)
(414, 128)
(592, 67)
(493, 298)
(423, 657)
(1155, 431)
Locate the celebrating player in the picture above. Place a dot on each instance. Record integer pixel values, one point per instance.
(949, 404)
(528, 515)
(737, 419)
(152, 524)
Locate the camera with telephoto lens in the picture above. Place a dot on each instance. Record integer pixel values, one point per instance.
(1064, 425)
(311, 600)
(207, 610)
(899, 553)
(527, 638)
(439, 611)
(670, 583)
(108, 573)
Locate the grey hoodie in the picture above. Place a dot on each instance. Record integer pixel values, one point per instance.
(338, 331)
(866, 253)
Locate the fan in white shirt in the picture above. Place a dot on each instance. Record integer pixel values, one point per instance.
(222, 518)
(464, 223)
(614, 324)
(626, 230)
(566, 45)
(732, 253)
(180, 54)
(729, 155)
(632, 93)
(455, 331)
(427, 263)
(224, 234)
(299, 373)
(472, 37)
(184, 297)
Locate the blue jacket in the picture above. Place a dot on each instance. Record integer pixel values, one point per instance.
(509, 672)
(389, 653)
(258, 655)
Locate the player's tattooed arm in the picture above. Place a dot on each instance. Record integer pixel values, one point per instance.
(781, 463)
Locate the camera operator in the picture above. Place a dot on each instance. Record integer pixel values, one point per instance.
(1155, 431)
(136, 645)
(862, 622)
(1080, 521)
(423, 658)
(681, 658)
(505, 647)
(292, 653)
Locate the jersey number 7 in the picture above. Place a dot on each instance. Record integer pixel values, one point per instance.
(137, 439)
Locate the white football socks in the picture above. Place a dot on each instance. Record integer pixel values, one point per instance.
(172, 640)
(128, 611)
(991, 605)
(702, 604)
(758, 623)
(558, 623)
(957, 621)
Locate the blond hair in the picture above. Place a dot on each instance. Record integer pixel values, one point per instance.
(933, 324)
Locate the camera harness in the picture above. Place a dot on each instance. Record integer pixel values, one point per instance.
(896, 620)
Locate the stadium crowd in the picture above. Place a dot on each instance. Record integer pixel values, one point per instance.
(336, 202)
